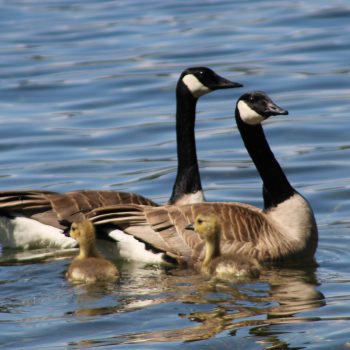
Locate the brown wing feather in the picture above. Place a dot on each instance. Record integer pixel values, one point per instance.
(245, 229)
(132, 219)
(32, 204)
(60, 209)
(169, 223)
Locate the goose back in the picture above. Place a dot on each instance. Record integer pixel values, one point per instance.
(245, 230)
(61, 209)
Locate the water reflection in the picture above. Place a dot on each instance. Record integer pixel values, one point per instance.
(278, 297)
(13, 256)
(89, 298)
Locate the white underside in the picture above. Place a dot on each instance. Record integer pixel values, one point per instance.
(25, 233)
(22, 232)
(132, 249)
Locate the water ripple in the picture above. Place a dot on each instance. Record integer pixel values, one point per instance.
(88, 101)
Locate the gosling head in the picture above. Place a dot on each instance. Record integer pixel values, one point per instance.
(202, 80)
(207, 225)
(254, 107)
(81, 229)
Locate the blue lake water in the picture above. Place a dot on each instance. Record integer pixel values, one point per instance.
(87, 100)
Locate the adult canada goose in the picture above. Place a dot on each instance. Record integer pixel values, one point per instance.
(285, 229)
(41, 218)
(193, 83)
(89, 266)
(216, 264)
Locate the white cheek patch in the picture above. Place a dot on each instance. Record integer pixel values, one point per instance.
(248, 115)
(195, 86)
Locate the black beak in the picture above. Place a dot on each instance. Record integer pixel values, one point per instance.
(190, 227)
(223, 83)
(273, 109)
(219, 82)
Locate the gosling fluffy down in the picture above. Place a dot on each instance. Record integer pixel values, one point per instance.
(89, 266)
(215, 264)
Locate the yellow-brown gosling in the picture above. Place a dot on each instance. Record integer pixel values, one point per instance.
(89, 266)
(215, 264)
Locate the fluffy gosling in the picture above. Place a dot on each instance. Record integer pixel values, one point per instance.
(215, 264)
(89, 266)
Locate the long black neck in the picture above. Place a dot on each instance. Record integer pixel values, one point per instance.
(188, 179)
(276, 187)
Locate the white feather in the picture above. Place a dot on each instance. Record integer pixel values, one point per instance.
(191, 198)
(132, 249)
(22, 232)
(25, 233)
(248, 115)
(195, 86)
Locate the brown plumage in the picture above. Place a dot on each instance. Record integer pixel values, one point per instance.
(89, 266)
(216, 264)
(245, 230)
(285, 229)
(61, 209)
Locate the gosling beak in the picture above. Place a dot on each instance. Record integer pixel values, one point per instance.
(190, 227)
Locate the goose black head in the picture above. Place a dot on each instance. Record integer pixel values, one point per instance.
(202, 80)
(255, 107)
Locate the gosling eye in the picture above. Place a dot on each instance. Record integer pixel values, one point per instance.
(200, 221)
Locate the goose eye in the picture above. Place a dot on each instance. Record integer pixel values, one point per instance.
(199, 221)
(251, 99)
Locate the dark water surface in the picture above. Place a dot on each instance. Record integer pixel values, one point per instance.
(87, 101)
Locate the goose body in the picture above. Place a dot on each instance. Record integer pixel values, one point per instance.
(218, 265)
(31, 218)
(193, 83)
(284, 230)
(89, 266)
(34, 219)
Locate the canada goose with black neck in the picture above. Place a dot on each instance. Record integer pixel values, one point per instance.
(41, 218)
(284, 230)
(193, 83)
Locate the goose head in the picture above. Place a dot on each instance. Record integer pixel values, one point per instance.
(82, 230)
(255, 107)
(207, 225)
(202, 80)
